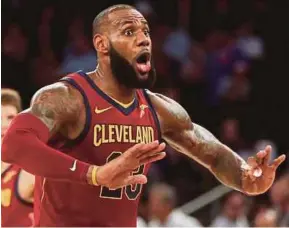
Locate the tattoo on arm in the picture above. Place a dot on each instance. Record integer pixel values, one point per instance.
(197, 142)
(55, 105)
(225, 164)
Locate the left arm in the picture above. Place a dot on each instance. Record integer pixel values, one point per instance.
(202, 146)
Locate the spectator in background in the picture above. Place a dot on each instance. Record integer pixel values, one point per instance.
(192, 70)
(251, 45)
(78, 55)
(226, 67)
(162, 200)
(44, 66)
(280, 197)
(233, 212)
(266, 218)
(142, 218)
(177, 45)
(14, 61)
(230, 134)
(17, 186)
(145, 8)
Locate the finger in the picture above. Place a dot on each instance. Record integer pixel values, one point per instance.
(261, 154)
(136, 151)
(152, 152)
(135, 148)
(252, 162)
(149, 147)
(260, 157)
(136, 179)
(278, 161)
(153, 158)
(268, 151)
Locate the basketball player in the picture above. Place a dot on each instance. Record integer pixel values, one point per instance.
(16, 184)
(101, 128)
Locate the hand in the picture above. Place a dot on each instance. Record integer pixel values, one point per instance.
(118, 172)
(259, 176)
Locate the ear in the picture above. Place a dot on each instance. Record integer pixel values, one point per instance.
(101, 43)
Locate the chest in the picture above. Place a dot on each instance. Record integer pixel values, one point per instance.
(113, 132)
(109, 126)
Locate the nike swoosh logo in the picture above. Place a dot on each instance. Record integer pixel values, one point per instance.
(143, 107)
(98, 111)
(73, 168)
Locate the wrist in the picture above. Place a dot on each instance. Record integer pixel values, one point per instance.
(246, 170)
(92, 175)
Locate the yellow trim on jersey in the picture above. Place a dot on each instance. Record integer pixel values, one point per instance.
(122, 104)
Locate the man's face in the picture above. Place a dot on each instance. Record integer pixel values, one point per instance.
(234, 207)
(8, 112)
(130, 49)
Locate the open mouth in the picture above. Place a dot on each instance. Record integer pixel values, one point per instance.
(143, 63)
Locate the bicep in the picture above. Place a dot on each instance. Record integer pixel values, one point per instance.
(181, 134)
(175, 122)
(54, 105)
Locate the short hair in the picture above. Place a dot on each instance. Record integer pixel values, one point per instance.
(11, 97)
(167, 193)
(102, 18)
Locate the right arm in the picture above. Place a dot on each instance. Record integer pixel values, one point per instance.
(24, 143)
(52, 109)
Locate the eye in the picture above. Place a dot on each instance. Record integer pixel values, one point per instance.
(11, 117)
(128, 32)
(147, 32)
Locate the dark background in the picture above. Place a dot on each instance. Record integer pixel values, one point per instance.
(36, 33)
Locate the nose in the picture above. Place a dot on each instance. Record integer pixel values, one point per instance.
(143, 40)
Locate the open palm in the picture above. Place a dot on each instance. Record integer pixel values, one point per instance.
(260, 174)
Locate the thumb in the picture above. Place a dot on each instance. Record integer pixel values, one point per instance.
(136, 179)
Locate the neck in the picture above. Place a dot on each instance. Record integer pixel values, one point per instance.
(106, 81)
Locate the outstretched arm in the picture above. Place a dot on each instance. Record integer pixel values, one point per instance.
(24, 143)
(54, 108)
(254, 177)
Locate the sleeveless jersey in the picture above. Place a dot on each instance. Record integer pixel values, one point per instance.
(110, 129)
(15, 211)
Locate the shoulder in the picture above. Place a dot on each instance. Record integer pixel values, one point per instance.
(57, 105)
(171, 114)
(54, 91)
(60, 97)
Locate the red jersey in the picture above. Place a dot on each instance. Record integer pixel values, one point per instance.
(110, 129)
(15, 211)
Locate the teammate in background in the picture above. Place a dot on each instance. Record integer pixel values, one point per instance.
(91, 136)
(16, 184)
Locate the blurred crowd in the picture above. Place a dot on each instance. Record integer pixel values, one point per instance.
(233, 210)
(208, 56)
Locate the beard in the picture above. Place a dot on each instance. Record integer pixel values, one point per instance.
(126, 74)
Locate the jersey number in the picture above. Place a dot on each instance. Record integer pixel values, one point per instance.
(6, 195)
(132, 192)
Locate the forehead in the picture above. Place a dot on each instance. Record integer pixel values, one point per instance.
(126, 16)
(8, 109)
